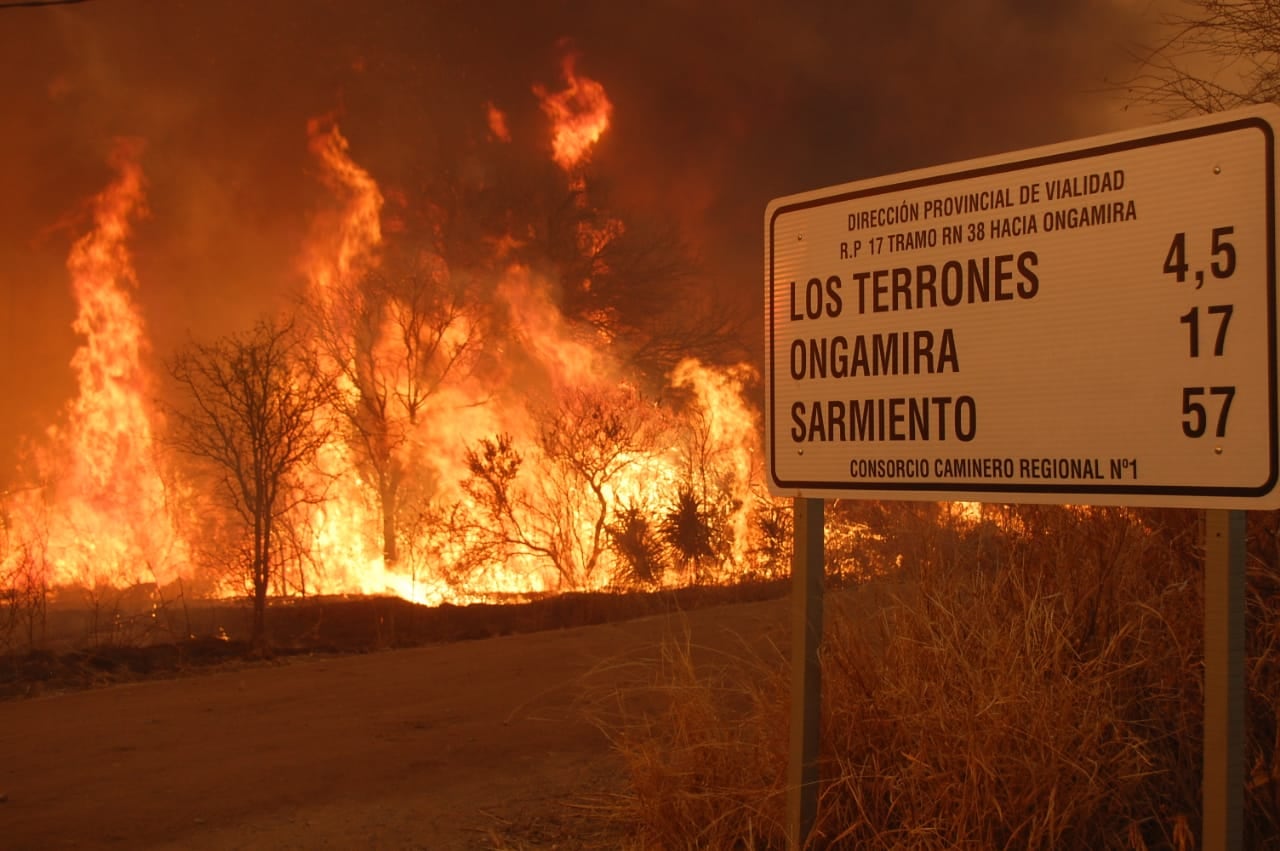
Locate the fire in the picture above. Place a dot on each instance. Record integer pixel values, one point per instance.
(343, 252)
(351, 245)
(723, 436)
(562, 354)
(480, 442)
(101, 517)
(579, 113)
(594, 239)
(497, 123)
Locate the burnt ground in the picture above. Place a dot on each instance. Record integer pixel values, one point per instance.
(349, 737)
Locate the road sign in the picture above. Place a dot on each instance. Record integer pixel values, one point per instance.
(1092, 322)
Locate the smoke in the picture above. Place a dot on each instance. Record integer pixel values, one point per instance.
(718, 107)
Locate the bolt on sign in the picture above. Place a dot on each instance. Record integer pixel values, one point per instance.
(1092, 322)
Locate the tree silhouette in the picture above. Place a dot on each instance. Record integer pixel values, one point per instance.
(1216, 55)
(637, 543)
(251, 418)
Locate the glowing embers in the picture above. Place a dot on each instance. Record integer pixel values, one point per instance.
(497, 120)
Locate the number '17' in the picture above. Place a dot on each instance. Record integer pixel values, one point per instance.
(1192, 320)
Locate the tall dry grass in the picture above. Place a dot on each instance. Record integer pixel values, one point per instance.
(1029, 680)
(704, 758)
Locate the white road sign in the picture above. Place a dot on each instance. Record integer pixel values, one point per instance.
(1092, 322)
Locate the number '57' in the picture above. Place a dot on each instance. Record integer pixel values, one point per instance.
(1197, 418)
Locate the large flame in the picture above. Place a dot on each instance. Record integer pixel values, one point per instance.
(344, 250)
(101, 517)
(346, 244)
(579, 113)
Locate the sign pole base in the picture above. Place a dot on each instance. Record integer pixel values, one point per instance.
(806, 675)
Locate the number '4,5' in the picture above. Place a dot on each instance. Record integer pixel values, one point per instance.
(1223, 252)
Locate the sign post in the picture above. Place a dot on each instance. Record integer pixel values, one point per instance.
(806, 673)
(1093, 323)
(1224, 691)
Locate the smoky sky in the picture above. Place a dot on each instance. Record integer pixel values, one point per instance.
(718, 107)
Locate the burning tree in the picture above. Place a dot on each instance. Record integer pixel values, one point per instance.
(693, 535)
(504, 278)
(708, 525)
(24, 589)
(251, 418)
(592, 449)
(391, 341)
(638, 546)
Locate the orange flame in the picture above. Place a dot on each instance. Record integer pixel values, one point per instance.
(351, 248)
(548, 362)
(104, 520)
(498, 129)
(580, 113)
(725, 436)
(344, 247)
(556, 387)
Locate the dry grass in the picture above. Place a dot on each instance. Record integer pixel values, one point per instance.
(1029, 681)
(703, 756)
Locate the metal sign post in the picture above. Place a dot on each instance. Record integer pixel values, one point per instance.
(1224, 689)
(806, 674)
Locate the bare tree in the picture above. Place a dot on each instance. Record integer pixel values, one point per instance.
(1217, 55)
(559, 513)
(24, 588)
(392, 340)
(251, 416)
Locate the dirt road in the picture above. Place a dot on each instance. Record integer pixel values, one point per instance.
(477, 744)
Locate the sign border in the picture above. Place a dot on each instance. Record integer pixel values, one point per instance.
(969, 170)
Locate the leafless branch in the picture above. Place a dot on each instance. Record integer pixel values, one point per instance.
(1224, 53)
(251, 416)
